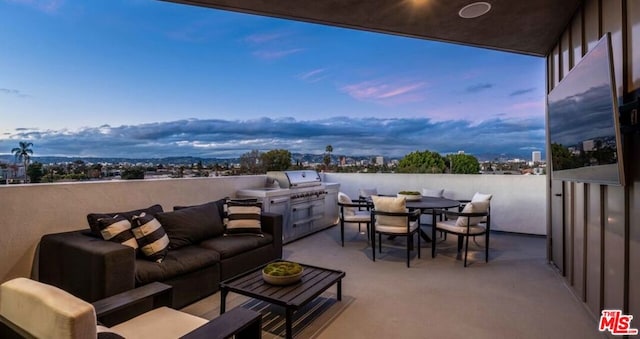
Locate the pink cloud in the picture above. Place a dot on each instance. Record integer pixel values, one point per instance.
(384, 92)
(276, 54)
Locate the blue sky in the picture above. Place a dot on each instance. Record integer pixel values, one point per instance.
(147, 78)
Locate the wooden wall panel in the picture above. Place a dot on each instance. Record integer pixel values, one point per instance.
(579, 231)
(568, 231)
(612, 22)
(600, 225)
(614, 244)
(557, 231)
(555, 71)
(565, 47)
(591, 23)
(576, 40)
(594, 258)
(633, 43)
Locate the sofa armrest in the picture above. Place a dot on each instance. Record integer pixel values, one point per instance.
(239, 323)
(272, 224)
(85, 266)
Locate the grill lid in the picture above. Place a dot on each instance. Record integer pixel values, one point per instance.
(292, 179)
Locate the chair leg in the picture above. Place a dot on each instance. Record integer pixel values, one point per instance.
(466, 249)
(373, 246)
(419, 245)
(342, 232)
(486, 253)
(409, 242)
(379, 242)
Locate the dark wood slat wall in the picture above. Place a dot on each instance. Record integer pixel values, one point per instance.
(595, 229)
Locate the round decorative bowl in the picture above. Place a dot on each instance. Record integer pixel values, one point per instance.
(410, 195)
(282, 273)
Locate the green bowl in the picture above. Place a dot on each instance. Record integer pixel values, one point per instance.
(282, 273)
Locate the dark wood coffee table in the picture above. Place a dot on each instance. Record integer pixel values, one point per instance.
(315, 280)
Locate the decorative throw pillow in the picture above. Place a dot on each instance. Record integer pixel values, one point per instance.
(92, 218)
(390, 204)
(191, 225)
(481, 197)
(472, 207)
(117, 229)
(343, 198)
(243, 217)
(152, 239)
(433, 193)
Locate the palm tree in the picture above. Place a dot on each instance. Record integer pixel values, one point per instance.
(327, 156)
(23, 153)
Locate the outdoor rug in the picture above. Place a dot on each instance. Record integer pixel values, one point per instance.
(308, 321)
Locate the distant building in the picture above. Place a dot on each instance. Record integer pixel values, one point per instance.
(536, 156)
(460, 152)
(379, 160)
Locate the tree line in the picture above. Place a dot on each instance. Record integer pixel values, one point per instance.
(256, 162)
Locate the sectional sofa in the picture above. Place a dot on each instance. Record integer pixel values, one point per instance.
(199, 254)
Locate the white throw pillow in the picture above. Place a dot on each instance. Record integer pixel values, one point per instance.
(433, 193)
(344, 199)
(472, 207)
(481, 197)
(390, 204)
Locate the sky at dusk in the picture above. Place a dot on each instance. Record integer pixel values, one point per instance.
(147, 78)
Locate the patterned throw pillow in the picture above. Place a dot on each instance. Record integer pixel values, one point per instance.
(242, 217)
(152, 239)
(117, 229)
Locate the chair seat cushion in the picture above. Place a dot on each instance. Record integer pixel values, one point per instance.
(452, 227)
(396, 229)
(359, 216)
(159, 323)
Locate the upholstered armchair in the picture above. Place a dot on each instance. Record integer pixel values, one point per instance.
(31, 309)
(353, 211)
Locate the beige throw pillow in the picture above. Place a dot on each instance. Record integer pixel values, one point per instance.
(472, 207)
(390, 204)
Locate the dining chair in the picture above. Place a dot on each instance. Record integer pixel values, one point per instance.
(353, 211)
(469, 222)
(390, 216)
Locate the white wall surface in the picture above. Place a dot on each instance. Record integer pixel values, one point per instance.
(27, 212)
(518, 203)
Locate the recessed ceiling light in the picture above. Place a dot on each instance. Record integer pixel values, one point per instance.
(474, 10)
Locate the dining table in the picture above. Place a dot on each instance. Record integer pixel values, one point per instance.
(426, 205)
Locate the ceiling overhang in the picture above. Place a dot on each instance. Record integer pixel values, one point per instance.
(521, 26)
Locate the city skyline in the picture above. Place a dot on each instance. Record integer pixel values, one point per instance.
(153, 79)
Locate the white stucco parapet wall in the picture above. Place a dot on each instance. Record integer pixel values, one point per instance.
(518, 203)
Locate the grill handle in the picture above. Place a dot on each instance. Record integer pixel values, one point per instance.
(279, 200)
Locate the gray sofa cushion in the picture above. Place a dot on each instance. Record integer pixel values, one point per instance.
(191, 225)
(230, 246)
(177, 262)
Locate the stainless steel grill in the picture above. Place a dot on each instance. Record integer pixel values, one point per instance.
(301, 198)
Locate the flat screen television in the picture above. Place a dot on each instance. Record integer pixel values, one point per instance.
(583, 121)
